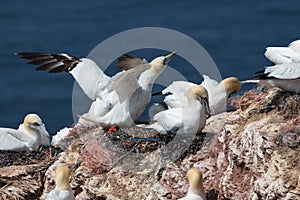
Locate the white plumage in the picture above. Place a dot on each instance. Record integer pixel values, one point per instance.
(189, 119)
(125, 95)
(196, 190)
(218, 93)
(29, 136)
(286, 74)
(60, 135)
(279, 55)
(62, 189)
(60, 195)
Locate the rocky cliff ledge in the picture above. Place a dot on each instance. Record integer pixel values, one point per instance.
(251, 153)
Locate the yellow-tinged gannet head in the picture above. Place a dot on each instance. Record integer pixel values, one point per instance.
(61, 178)
(195, 178)
(199, 93)
(231, 84)
(159, 63)
(33, 124)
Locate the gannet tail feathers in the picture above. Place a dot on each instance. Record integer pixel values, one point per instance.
(249, 81)
(55, 63)
(92, 121)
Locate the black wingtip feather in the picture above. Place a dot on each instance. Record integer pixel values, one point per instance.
(54, 62)
(59, 69)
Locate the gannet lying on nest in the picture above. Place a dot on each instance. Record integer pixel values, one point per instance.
(29, 136)
(188, 119)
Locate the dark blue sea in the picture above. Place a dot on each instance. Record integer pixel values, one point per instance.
(234, 33)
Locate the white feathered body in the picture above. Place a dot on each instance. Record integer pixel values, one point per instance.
(60, 195)
(193, 196)
(280, 55)
(285, 76)
(18, 140)
(122, 98)
(216, 94)
(186, 120)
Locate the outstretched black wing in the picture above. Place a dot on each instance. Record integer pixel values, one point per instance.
(55, 63)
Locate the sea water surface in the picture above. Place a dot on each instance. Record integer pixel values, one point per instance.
(234, 33)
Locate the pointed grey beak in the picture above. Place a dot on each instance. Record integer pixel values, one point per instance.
(204, 102)
(41, 128)
(169, 57)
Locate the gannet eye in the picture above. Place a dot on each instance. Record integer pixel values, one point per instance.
(36, 124)
(165, 62)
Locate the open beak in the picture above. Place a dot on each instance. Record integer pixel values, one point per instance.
(169, 57)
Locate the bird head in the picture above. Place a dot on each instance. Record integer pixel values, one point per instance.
(199, 93)
(232, 85)
(61, 178)
(159, 63)
(195, 179)
(33, 123)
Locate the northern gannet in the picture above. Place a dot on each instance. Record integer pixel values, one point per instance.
(29, 136)
(128, 92)
(279, 55)
(62, 189)
(196, 190)
(285, 76)
(218, 93)
(185, 120)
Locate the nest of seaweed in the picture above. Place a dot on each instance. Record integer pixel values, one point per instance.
(10, 158)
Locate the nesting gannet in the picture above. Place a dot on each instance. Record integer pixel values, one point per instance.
(29, 136)
(279, 55)
(218, 93)
(62, 189)
(196, 190)
(128, 92)
(285, 76)
(185, 120)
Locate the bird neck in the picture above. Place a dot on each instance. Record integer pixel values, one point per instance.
(222, 89)
(192, 102)
(65, 186)
(29, 131)
(147, 78)
(199, 190)
(62, 181)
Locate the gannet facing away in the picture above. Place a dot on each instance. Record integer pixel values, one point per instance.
(196, 190)
(29, 136)
(285, 76)
(218, 93)
(280, 55)
(128, 92)
(185, 120)
(62, 189)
